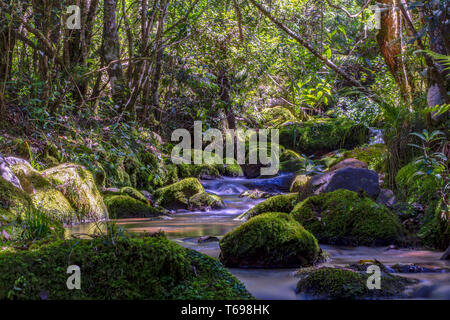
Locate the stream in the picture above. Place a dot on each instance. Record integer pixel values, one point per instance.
(185, 227)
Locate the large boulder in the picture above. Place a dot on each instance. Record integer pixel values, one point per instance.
(325, 134)
(353, 179)
(141, 268)
(205, 201)
(20, 220)
(280, 203)
(78, 186)
(45, 197)
(7, 174)
(344, 217)
(349, 163)
(270, 240)
(124, 206)
(177, 195)
(339, 283)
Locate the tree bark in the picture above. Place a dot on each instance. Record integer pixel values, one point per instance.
(111, 54)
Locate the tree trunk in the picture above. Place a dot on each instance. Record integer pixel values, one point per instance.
(391, 47)
(224, 87)
(111, 54)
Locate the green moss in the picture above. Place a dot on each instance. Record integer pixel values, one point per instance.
(302, 186)
(78, 186)
(20, 219)
(290, 155)
(324, 134)
(177, 195)
(14, 205)
(44, 196)
(329, 161)
(269, 240)
(343, 217)
(230, 168)
(335, 283)
(281, 203)
(198, 171)
(292, 165)
(146, 268)
(205, 201)
(132, 192)
(374, 155)
(276, 116)
(123, 206)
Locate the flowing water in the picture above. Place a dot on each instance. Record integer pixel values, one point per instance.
(185, 227)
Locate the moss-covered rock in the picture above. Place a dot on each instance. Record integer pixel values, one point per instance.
(200, 171)
(132, 192)
(301, 185)
(256, 194)
(14, 205)
(345, 218)
(177, 195)
(374, 155)
(145, 268)
(325, 134)
(230, 168)
(349, 163)
(269, 240)
(337, 283)
(45, 197)
(20, 220)
(78, 186)
(205, 201)
(123, 206)
(280, 203)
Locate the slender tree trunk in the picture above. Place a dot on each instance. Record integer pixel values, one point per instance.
(111, 54)
(154, 88)
(224, 87)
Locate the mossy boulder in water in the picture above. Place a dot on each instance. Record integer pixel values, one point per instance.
(343, 217)
(123, 206)
(256, 194)
(78, 186)
(267, 241)
(205, 201)
(353, 179)
(325, 134)
(337, 283)
(299, 183)
(177, 195)
(280, 203)
(143, 268)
